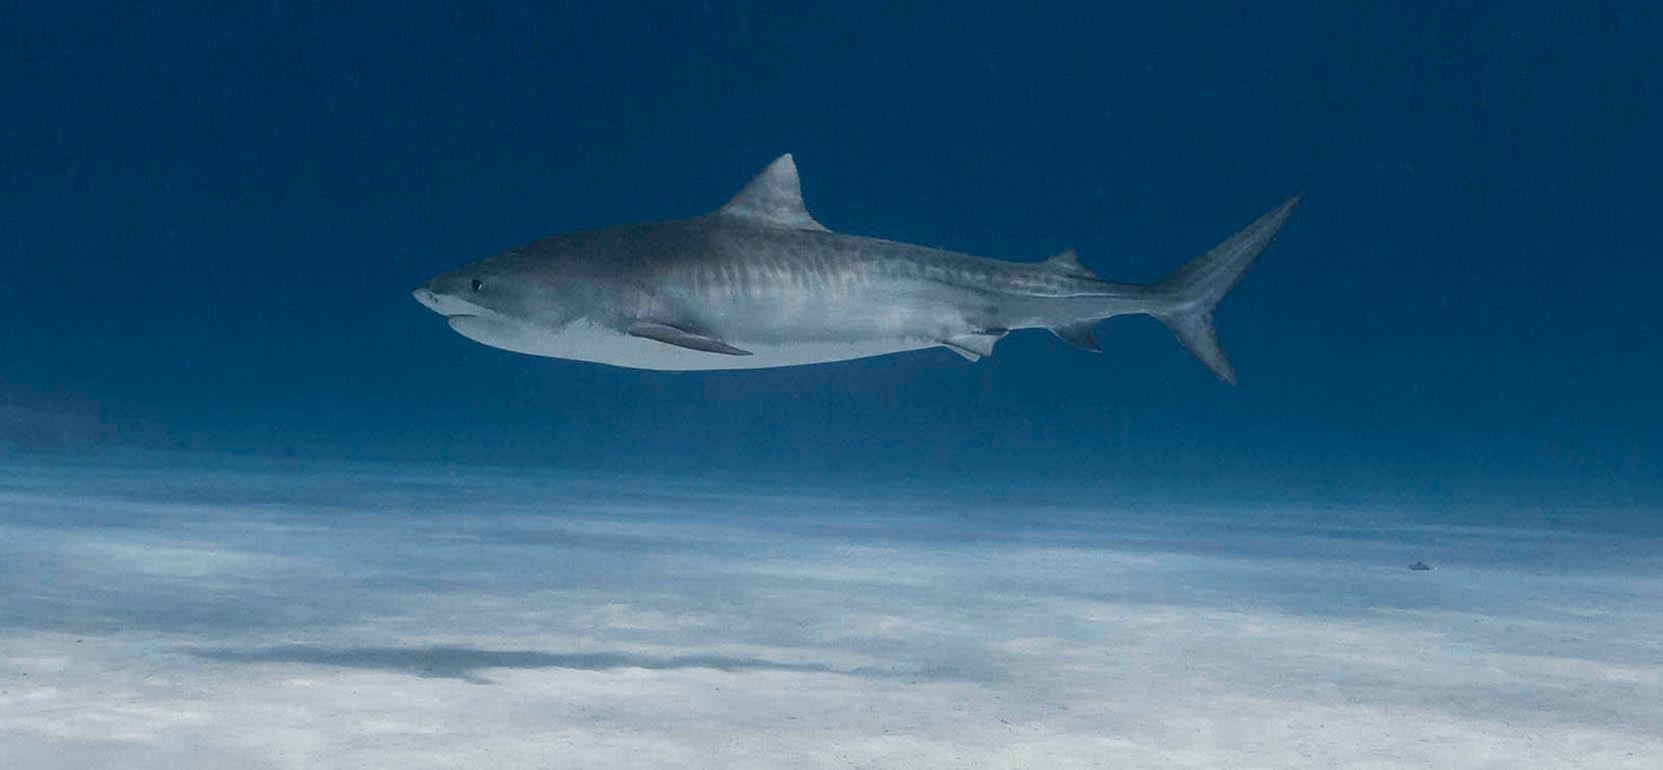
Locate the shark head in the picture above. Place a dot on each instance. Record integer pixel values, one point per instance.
(507, 301)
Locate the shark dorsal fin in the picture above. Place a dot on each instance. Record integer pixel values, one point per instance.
(774, 198)
(1067, 262)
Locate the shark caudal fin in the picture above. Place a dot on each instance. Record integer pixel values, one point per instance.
(1190, 292)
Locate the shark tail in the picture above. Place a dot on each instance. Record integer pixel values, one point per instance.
(1187, 296)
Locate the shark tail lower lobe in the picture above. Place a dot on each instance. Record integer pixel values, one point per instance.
(1189, 294)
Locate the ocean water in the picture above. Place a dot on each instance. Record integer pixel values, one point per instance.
(258, 508)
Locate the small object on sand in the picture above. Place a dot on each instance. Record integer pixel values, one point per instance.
(1420, 566)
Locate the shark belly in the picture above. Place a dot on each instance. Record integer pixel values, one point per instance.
(587, 341)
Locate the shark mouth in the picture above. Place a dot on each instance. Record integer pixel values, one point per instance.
(447, 305)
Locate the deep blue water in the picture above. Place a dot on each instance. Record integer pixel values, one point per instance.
(211, 216)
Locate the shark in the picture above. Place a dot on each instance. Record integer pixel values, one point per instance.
(760, 283)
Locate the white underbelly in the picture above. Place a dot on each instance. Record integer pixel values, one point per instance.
(588, 342)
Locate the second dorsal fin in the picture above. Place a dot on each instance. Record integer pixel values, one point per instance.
(774, 199)
(1067, 262)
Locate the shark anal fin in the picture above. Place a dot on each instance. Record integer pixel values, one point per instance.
(1079, 335)
(681, 338)
(974, 346)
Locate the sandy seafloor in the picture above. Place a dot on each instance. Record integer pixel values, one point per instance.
(166, 614)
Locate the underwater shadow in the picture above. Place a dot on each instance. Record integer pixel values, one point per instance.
(467, 663)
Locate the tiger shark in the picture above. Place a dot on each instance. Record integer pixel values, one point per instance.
(760, 283)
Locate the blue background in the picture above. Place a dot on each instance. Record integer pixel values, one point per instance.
(211, 216)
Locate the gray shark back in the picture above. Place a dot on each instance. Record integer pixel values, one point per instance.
(765, 284)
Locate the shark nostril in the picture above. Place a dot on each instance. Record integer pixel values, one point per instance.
(426, 297)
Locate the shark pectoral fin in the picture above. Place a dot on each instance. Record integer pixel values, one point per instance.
(973, 346)
(1078, 335)
(681, 338)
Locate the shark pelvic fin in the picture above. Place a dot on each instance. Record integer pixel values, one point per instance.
(774, 199)
(974, 346)
(681, 338)
(1079, 335)
(1067, 262)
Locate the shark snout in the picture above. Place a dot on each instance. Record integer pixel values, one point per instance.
(425, 295)
(443, 303)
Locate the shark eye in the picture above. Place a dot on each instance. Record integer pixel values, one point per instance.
(477, 284)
